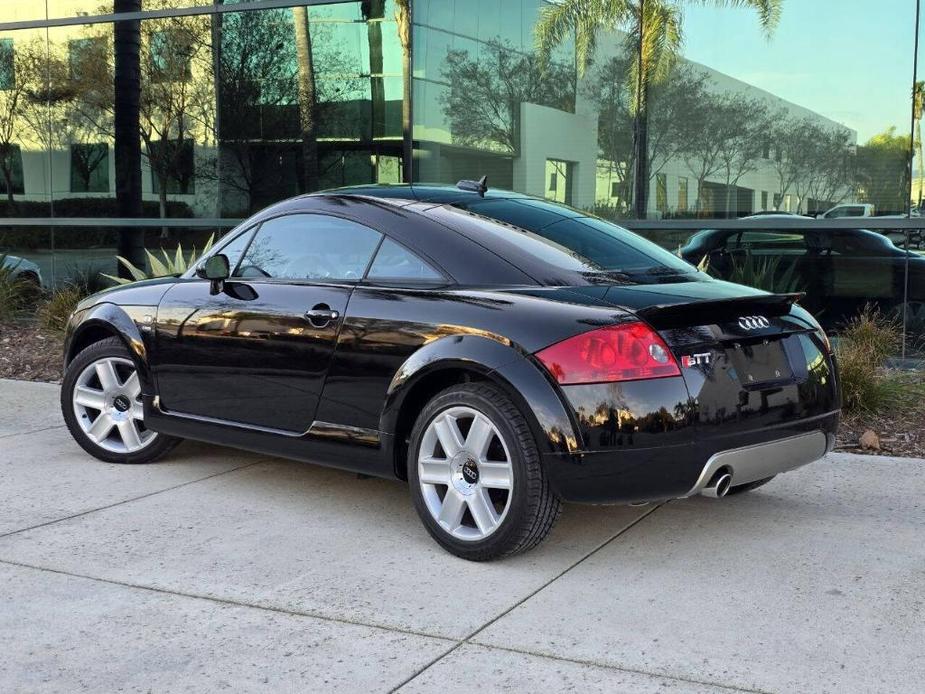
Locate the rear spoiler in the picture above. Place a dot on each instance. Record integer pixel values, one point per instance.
(665, 316)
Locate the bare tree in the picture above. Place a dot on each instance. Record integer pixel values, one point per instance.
(23, 99)
(705, 131)
(741, 141)
(483, 101)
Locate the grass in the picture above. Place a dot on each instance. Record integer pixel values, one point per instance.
(868, 387)
(17, 295)
(61, 302)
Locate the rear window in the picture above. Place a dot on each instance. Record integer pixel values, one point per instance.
(558, 236)
(533, 215)
(611, 247)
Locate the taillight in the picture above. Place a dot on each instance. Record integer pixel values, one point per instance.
(627, 352)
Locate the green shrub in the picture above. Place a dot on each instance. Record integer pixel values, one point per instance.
(864, 345)
(60, 304)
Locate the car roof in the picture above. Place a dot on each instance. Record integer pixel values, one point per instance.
(425, 192)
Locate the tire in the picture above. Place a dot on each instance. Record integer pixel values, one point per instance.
(500, 502)
(742, 488)
(86, 400)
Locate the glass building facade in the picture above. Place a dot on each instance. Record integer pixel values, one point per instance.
(188, 115)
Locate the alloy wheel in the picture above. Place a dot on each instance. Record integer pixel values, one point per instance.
(465, 472)
(107, 404)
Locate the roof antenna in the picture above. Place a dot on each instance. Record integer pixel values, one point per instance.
(480, 186)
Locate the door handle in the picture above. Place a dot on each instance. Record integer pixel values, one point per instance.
(321, 315)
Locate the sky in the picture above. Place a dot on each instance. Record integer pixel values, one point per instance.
(849, 60)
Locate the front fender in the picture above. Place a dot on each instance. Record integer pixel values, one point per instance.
(521, 377)
(90, 324)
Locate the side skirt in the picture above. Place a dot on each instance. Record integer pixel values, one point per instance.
(348, 448)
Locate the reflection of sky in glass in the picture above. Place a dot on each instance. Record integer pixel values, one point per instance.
(850, 61)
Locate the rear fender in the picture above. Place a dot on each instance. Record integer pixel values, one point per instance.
(517, 373)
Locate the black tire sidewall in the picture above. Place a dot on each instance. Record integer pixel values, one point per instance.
(522, 452)
(111, 347)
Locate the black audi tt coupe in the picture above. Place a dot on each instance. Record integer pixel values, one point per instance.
(500, 353)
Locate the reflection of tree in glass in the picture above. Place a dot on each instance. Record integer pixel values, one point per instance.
(35, 82)
(918, 108)
(264, 256)
(810, 160)
(271, 105)
(675, 102)
(482, 104)
(653, 38)
(883, 172)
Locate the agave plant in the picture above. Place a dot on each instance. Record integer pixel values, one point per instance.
(169, 264)
(760, 273)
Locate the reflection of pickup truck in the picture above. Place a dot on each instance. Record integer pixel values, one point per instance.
(848, 210)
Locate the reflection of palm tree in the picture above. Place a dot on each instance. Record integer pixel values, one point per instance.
(403, 19)
(653, 29)
(918, 105)
(375, 10)
(307, 97)
(127, 144)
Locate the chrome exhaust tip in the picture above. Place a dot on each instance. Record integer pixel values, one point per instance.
(718, 486)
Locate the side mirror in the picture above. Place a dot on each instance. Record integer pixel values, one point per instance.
(215, 269)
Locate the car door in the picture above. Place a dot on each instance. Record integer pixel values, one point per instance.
(257, 352)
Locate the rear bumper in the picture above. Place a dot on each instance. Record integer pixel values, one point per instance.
(753, 463)
(656, 473)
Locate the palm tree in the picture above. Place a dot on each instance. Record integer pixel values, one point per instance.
(127, 143)
(307, 97)
(918, 106)
(403, 20)
(654, 37)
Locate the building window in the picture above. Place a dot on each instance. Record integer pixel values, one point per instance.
(764, 200)
(7, 65)
(615, 189)
(172, 163)
(11, 177)
(778, 198)
(85, 57)
(661, 193)
(170, 54)
(559, 177)
(90, 168)
(682, 194)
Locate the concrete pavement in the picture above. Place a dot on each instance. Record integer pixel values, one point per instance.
(217, 569)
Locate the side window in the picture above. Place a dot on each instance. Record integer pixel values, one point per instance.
(235, 247)
(773, 242)
(394, 262)
(309, 247)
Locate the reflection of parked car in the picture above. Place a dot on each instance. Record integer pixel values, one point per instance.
(852, 210)
(840, 270)
(22, 268)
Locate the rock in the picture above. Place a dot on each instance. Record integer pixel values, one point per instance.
(869, 441)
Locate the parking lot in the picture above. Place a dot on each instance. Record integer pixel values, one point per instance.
(217, 569)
